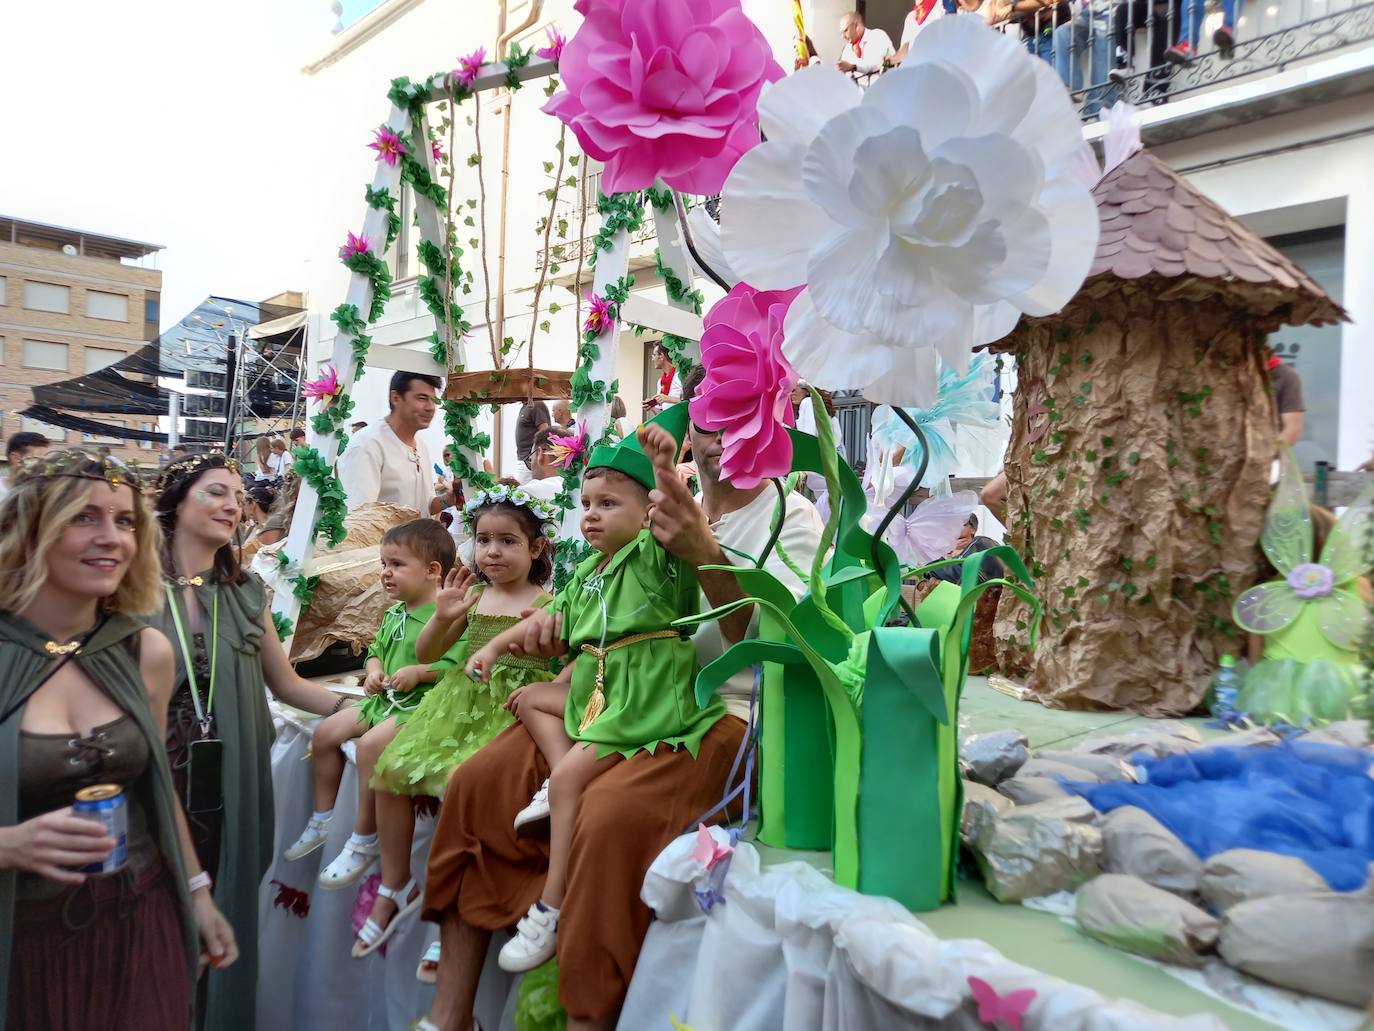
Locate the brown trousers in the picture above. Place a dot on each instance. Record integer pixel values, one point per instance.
(491, 875)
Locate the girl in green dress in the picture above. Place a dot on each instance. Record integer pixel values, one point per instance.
(512, 540)
(629, 687)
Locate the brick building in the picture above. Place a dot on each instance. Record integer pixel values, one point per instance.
(71, 302)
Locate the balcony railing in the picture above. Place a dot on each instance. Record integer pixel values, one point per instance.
(1153, 51)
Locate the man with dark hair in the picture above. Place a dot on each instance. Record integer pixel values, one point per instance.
(546, 478)
(533, 417)
(297, 438)
(20, 446)
(388, 461)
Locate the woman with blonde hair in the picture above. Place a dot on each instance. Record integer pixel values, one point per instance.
(227, 656)
(264, 449)
(84, 688)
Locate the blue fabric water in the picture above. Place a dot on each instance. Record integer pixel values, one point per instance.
(1313, 801)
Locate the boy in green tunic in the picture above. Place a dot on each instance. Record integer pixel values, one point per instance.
(416, 556)
(629, 686)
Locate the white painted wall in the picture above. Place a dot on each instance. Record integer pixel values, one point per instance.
(1315, 185)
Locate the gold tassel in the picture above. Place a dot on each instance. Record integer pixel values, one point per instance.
(596, 705)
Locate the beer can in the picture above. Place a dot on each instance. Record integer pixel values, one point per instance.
(105, 804)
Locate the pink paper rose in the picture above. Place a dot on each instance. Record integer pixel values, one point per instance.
(664, 89)
(747, 393)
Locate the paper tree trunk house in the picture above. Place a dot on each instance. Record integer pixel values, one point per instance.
(1142, 441)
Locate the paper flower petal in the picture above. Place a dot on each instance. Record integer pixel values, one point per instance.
(932, 213)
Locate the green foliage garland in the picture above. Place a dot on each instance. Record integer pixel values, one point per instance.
(618, 211)
(382, 200)
(311, 467)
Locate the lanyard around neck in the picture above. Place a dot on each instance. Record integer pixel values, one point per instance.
(203, 715)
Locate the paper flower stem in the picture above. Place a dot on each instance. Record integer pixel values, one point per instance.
(830, 469)
(901, 501)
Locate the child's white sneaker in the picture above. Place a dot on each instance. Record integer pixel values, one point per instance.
(312, 838)
(537, 810)
(535, 941)
(356, 859)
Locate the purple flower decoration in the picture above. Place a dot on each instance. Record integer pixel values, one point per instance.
(388, 145)
(1311, 580)
(600, 317)
(354, 247)
(436, 150)
(554, 50)
(468, 67)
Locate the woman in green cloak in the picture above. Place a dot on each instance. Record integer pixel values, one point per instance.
(84, 688)
(227, 656)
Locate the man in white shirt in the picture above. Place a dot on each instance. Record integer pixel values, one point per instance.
(21, 446)
(922, 13)
(387, 461)
(864, 49)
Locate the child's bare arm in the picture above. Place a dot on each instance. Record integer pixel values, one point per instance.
(480, 664)
(375, 681)
(451, 607)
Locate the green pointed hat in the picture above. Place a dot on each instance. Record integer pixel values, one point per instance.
(627, 456)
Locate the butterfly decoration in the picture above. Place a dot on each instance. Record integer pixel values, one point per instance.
(1000, 1011)
(1323, 585)
(708, 851)
(293, 900)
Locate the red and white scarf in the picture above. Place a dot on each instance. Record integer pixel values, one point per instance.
(922, 9)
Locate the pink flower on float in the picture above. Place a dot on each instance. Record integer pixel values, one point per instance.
(436, 150)
(468, 67)
(600, 317)
(747, 392)
(554, 50)
(664, 89)
(355, 246)
(567, 449)
(388, 145)
(323, 389)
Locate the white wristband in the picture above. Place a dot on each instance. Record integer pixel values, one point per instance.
(200, 880)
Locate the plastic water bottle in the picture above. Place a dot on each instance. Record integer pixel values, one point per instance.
(1225, 687)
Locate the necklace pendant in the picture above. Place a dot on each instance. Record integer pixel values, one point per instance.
(188, 581)
(53, 648)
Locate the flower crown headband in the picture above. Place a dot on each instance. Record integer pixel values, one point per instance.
(84, 465)
(546, 512)
(183, 467)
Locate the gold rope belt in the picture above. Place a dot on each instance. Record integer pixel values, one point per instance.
(596, 704)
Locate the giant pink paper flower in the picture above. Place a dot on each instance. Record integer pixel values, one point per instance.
(747, 393)
(468, 67)
(566, 450)
(664, 89)
(388, 145)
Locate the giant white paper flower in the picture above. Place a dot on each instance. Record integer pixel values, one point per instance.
(923, 215)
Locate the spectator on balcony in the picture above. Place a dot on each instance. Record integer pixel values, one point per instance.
(1225, 37)
(1038, 20)
(922, 13)
(1162, 30)
(1086, 40)
(865, 49)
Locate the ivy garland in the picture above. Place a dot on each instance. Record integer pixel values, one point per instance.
(584, 388)
(370, 265)
(382, 200)
(314, 470)
(618, 211)
(677, 290)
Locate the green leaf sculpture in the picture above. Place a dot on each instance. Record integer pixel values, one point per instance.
(858, 748)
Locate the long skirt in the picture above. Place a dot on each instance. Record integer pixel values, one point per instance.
(492, 875)
(106, 954)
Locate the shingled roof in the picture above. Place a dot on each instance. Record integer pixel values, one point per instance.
(1155, 224)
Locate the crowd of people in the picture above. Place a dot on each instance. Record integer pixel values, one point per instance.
(1091, 43)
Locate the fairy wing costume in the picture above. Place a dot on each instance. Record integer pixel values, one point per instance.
(1312, 618)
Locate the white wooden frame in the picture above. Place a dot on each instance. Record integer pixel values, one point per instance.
(675, 318)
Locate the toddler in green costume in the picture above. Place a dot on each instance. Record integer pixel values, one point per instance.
(512, 554)
(1310, 621)
(629, 686)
